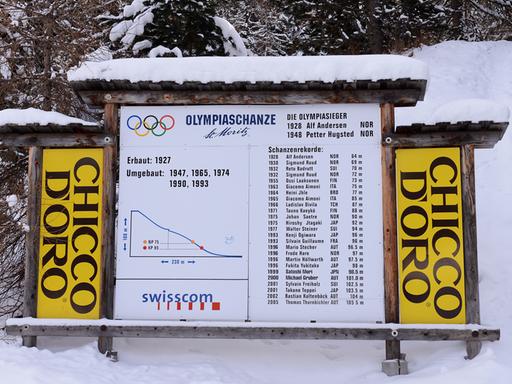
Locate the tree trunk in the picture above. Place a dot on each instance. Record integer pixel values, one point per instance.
(457, 29)
(374, 32)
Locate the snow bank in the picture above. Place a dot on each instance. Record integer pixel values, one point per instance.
(36, 116)
(473, 110)
(463, 71)
(254, 69)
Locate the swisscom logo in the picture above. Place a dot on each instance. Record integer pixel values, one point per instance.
(143, 126)
(181, 301)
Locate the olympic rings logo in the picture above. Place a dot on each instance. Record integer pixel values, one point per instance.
(150, 123)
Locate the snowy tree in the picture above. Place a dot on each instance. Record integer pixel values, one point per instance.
(343, 27)
(374, 17)
(265, 28)
(482, 19)
(173, 28)
(12, 233)
(39, 41)
(282, 27)
(329, 26)
(42, 40)
(6, 88)
(410, 23)
(13, 165)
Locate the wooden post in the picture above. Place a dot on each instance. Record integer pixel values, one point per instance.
(108, 234)
(390, 230)
(35, 162)
(470, 244)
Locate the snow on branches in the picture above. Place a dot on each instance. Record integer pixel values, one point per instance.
(174, 28)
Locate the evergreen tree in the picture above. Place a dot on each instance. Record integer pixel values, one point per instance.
(173, 27)
(421, 21)
(265, 28)
(483, 19)
(329, 26)
(406, 23)
(375, 35)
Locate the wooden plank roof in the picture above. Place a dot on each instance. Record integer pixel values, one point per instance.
(401, 92)
(483, 134)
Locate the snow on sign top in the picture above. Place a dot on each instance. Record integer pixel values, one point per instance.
(33, 116)
(473, 110)
(275, 69)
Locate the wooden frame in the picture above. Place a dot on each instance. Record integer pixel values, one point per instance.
(389, 230)
(484, 134)
(251, 330)
(108, 234)
(470, 244)
(49, 140)
(35, 163)
(477, 135)
(400, 92)
(147, 97)
(54, 136)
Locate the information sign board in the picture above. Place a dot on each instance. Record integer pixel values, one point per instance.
(70, 234)
(264, 213)
(430, 237)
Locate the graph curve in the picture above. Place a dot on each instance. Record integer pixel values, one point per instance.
(182, 236)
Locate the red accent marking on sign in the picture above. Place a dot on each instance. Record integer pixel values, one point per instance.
(201, 247)
(178, 306)
(158, 305)
(168, 305)
(201, 306)
(144, 247)
(190, 306)
(216, 306)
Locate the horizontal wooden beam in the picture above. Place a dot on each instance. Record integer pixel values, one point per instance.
(182, 330)
(56, 140)
(399, 97)
(480, 139)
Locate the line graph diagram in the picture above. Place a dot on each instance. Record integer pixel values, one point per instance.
(148, 238)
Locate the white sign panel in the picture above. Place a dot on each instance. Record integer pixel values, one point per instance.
(263, 213)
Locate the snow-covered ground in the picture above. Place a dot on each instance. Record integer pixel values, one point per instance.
(458, 70)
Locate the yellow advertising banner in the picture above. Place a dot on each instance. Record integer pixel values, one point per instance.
(70, 234)
(430, 238)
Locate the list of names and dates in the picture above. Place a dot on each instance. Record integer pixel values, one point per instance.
(322, 219)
